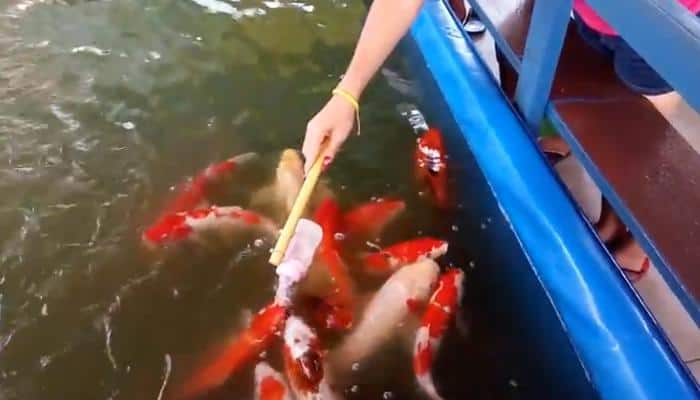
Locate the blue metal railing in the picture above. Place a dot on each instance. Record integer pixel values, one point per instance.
(621, 349)
(663, 32)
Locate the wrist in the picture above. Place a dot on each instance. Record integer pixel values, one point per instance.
(352, 86)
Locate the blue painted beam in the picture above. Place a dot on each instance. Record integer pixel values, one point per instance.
(545, 40)
(622, 348)
(665, 34)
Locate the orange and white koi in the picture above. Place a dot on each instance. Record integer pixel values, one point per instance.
(431, 166)
(303, 361)
(368, 220)
(270, 384)
(195, 193)
(256, 338)
(336, 309)
(440, 310)
(194, 225)
(389, 259)
(387, 310)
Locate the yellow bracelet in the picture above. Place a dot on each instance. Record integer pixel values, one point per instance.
(347, 96)
(353, 101)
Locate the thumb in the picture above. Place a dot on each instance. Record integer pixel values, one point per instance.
(335, 141)
(311, 147)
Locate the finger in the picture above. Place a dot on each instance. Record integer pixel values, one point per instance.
(334, 143)
(310, 148)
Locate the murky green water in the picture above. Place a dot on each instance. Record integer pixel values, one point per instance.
(104, 105)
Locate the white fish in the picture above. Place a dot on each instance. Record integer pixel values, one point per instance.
(277, 198)
(304, 364)
(388, 308)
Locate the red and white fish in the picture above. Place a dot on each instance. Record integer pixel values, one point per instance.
(431, 166)
(393, 257)
(270, 384)
(328, 216)
(303, 361)
(387, 310)
(336, 309)
(195, 193)
(368, 220)
(196, 225)
(436, 319)
(263, 328)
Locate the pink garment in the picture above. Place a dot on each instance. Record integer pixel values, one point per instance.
(595, 22)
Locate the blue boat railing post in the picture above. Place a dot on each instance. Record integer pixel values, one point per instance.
(545, 39)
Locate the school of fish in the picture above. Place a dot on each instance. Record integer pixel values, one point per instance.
(319, 299)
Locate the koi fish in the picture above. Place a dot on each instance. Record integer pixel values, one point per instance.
(256, 338)
(431, 166)
(196, 225)
(389, 307)
(303, 361)
(441, 308)
(328, 216)
(391, 258)
(270, 384)
(335, 311)
(277, 198)
(368, 220)
(194, 193)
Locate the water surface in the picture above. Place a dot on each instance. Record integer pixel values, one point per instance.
(104, 107)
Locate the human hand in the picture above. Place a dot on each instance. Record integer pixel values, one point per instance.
(332, 124)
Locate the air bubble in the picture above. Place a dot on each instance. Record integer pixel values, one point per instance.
(355, 366)
(455, 228)
(45, 310)
(44, 361)
(513, 383)
(258, 242)
(128, 125)
(338, 236)
(387, 395)
(472, 264)
(483, 226)
(354, 388)
(176, 293)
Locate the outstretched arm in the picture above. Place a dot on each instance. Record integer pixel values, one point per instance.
(387, 22)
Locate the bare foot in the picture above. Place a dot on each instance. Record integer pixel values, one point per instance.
(609, 227)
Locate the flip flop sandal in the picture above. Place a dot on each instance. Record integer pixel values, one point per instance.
(631, 259)
(635, 276)
(473, 24)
